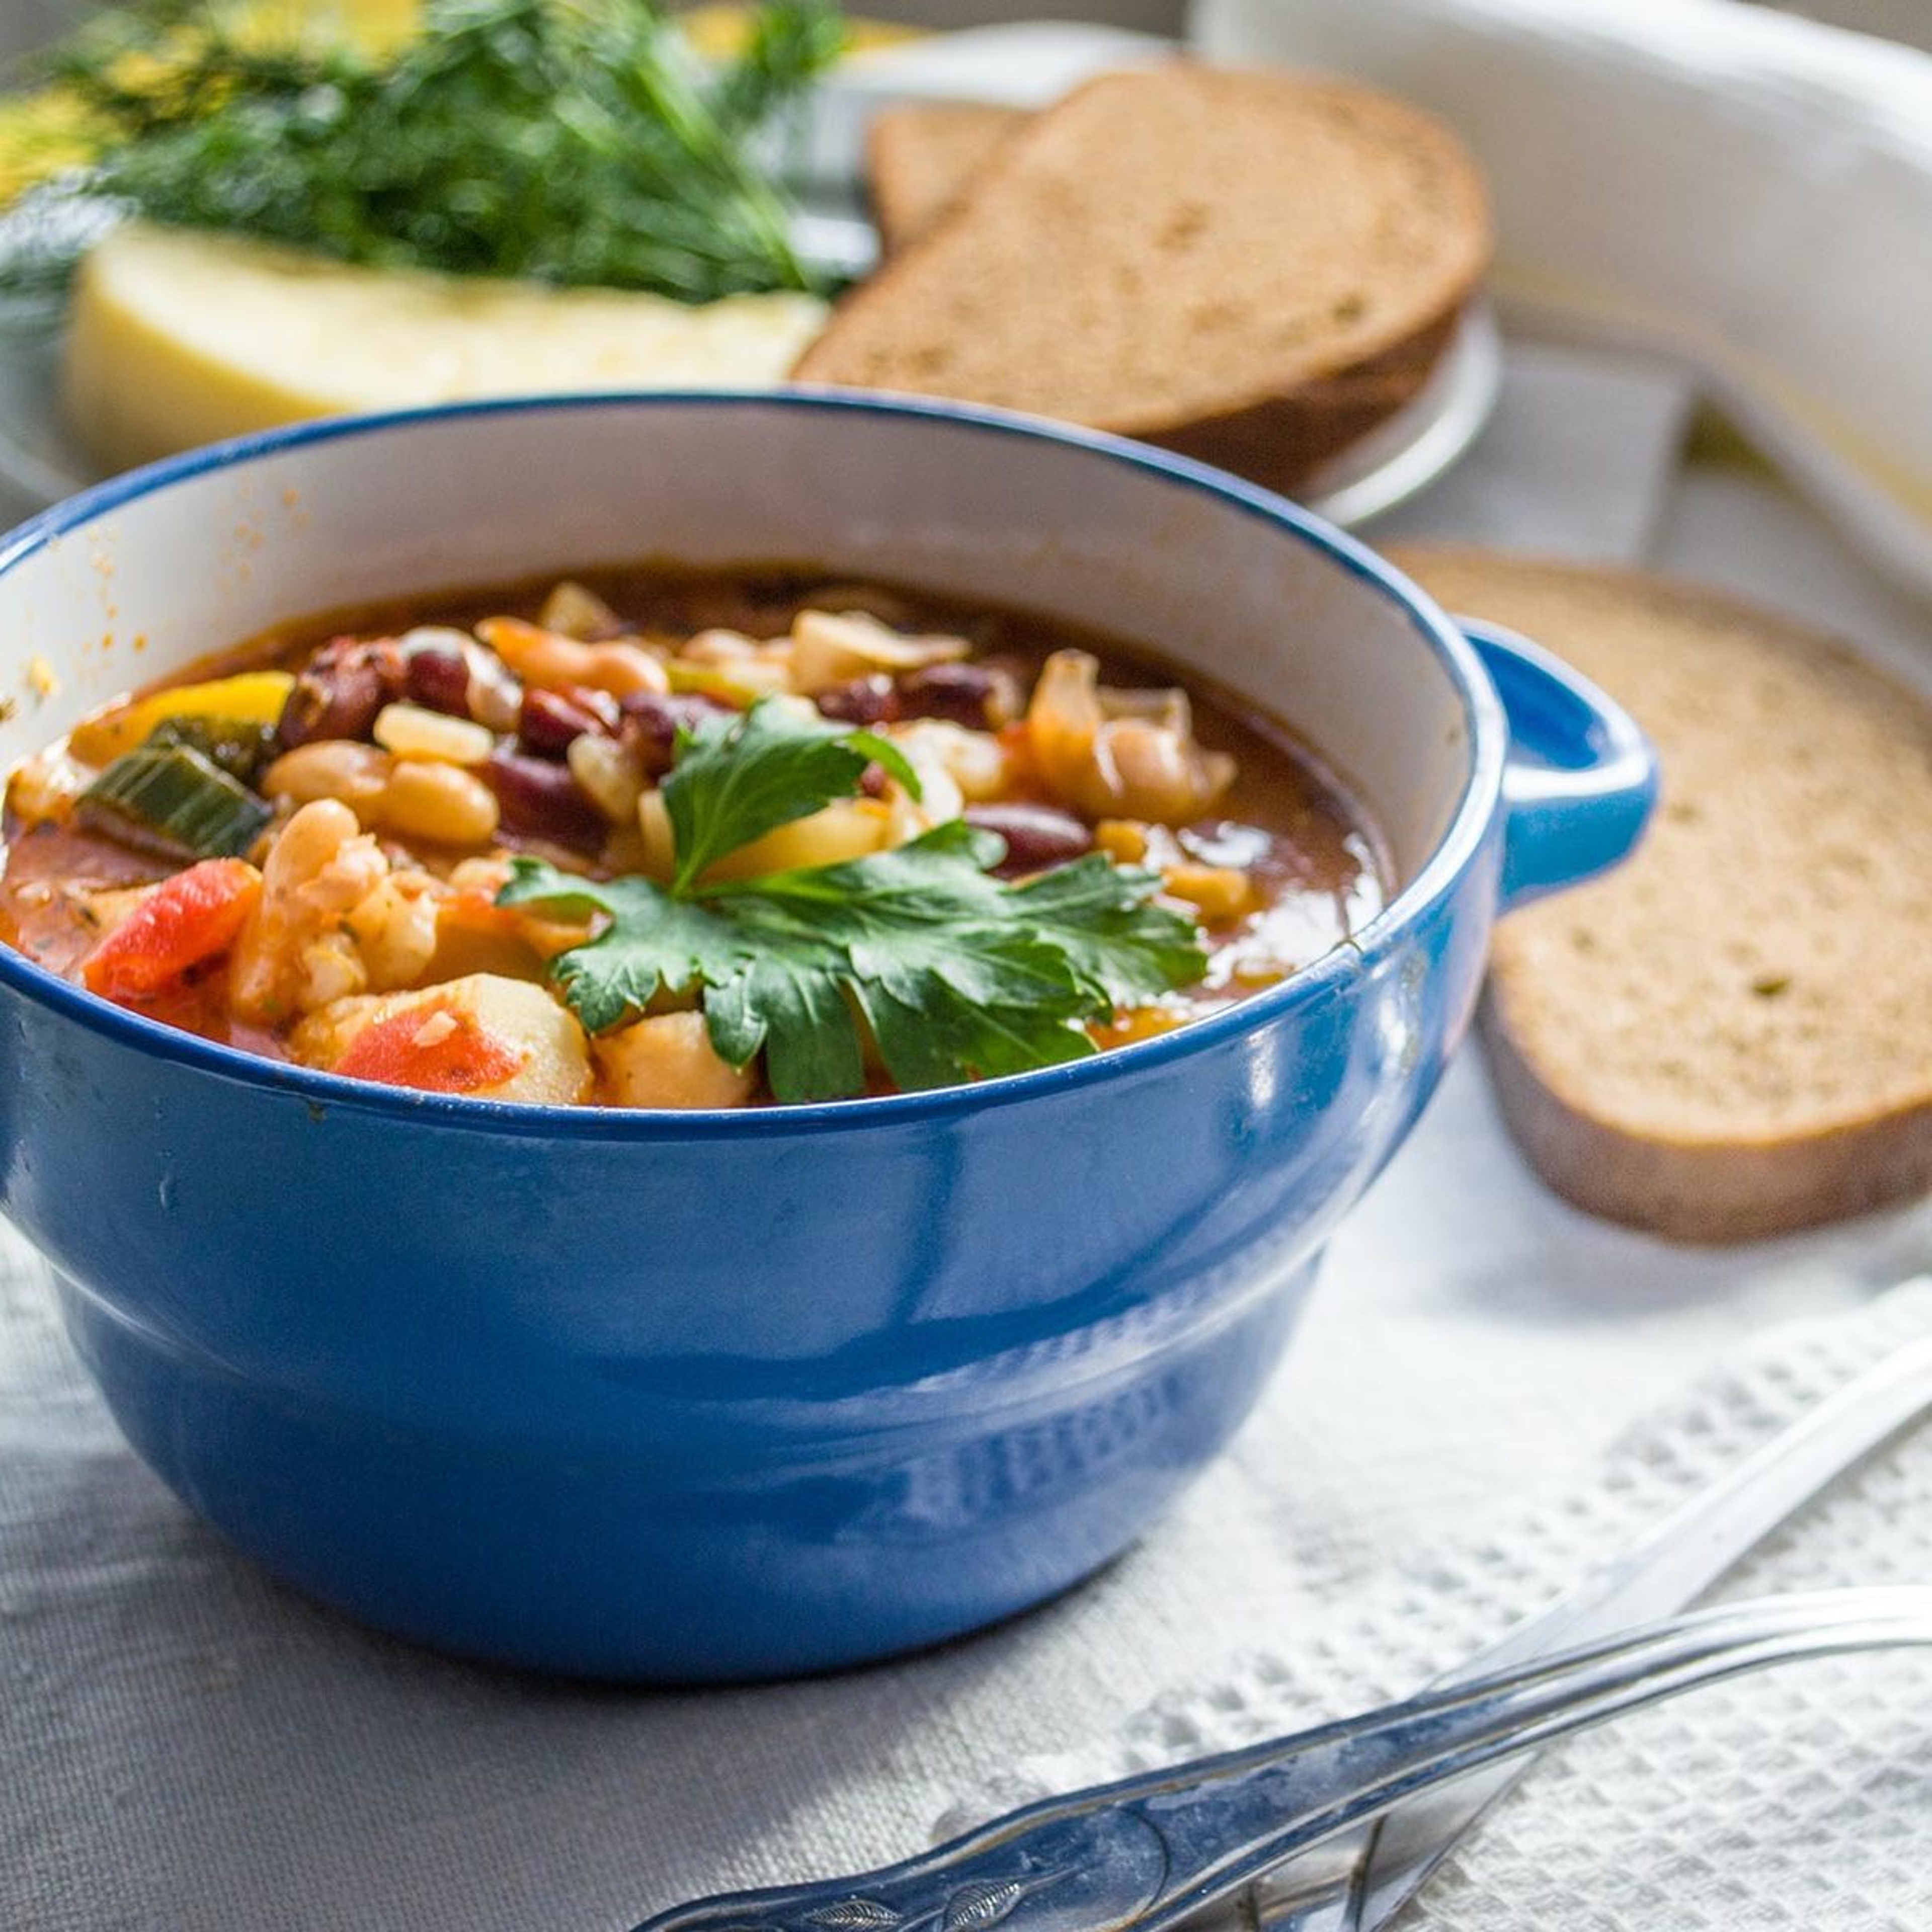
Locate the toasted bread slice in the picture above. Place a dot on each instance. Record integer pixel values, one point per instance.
(1250, 268)
(1731, 1035)
(920, 157)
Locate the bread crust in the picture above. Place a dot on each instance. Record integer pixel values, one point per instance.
(1280, 429)
(1700, 1192)
(1708, 1180)
(1281, 442)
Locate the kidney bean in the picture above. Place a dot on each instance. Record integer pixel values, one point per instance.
(338, 692)
(548, 721)
(980, 696)
(650, 722)
(1036, 835)
(541, 798)
(461, 678)
(871, 700)
(440, 681)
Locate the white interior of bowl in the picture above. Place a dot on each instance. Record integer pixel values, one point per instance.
(156, 581)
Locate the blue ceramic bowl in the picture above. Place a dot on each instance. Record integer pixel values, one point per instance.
(698, 1396)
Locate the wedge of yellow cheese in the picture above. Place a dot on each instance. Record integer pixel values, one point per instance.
(179, 338)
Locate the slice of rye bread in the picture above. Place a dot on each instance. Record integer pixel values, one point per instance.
(920, 157)
(1730, 1036)
(1253, 268)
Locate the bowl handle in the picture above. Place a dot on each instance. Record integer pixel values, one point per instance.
(1582, 777)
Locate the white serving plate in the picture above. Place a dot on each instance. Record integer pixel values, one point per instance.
(1404, 455)
(42, 459)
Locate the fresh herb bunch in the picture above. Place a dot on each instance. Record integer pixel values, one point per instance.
(573, 142)
(956, 974)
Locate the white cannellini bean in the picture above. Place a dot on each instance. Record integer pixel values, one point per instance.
(323, 842)
(355, 775)
(413, 731)
(441, 802)
(292, 954)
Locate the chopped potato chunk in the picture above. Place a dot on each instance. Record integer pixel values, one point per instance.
(491, 1038)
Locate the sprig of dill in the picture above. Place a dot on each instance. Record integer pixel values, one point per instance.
(572, 142)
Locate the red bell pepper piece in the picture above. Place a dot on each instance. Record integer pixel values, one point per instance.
(192, 917)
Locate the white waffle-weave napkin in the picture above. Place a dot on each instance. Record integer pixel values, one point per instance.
(1796, 1800)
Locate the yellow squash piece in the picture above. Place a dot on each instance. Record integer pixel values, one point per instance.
(181, 338)
(249, 697)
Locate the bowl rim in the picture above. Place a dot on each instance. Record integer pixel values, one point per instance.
(1434, 879)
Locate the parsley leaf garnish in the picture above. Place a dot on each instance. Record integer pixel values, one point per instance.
(955, 975)
(738, 777)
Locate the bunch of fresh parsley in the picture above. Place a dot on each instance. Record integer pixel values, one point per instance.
(955, 974)
(574, 142)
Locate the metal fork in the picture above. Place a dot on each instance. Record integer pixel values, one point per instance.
(1146, 1852)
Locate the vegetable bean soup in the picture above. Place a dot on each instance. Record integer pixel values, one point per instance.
(661, 840)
